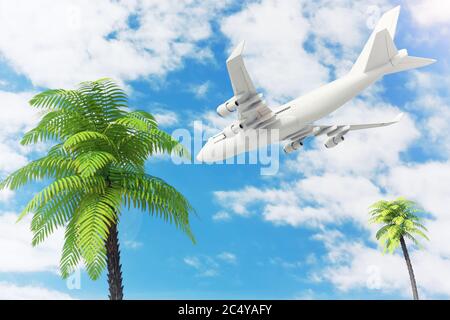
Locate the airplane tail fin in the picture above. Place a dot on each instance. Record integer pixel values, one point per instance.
(380, 50)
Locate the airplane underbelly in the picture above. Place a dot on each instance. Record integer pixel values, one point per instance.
(327, 99)
(244, 141)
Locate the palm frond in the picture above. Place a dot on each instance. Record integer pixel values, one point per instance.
(66, 184)
(51, 166)
(154, 195)
(54, 214)
(98, 213)
(89, 163)
(71, 255)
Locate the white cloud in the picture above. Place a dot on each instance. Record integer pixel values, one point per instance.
(17, 117)
(227, 257)
(5, 195)
(209, 273)
(347, 23)
(11, 158)
(313, 201)
(239, 201)
(431, 103)
(11, 291)
(326, 19)
(133, 245)
(209, 266)
(221, 216)
(201, 90)
(205, 266)
(285, 264)
(353, 265)
(18, 255)
(426, 183)
(334, 198)
(422, 81)
(311, 258)
(192, 262)
(166, 118)
(307, 294)
(430, 12)
(62, 43)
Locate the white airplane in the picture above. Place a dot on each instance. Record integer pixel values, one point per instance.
(294, 121)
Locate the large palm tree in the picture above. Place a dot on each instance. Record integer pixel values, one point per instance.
(95, 170)
(400, 220)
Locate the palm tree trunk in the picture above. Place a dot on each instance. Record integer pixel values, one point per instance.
(410, 269)
(114, 266)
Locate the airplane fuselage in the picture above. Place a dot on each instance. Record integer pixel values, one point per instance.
(291, 118)
(322, 101)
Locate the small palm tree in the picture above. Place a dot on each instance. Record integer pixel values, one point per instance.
(399, 221)
(95, 170)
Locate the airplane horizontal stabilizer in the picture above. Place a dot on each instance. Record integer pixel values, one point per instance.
(409, 62)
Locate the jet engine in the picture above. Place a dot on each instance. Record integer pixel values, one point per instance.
(227, 108)
(232, 130)
(293, 146)
(334, 141)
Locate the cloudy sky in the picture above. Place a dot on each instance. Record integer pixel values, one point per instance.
(301, 233)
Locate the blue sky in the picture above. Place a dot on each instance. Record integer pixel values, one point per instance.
(299, 234)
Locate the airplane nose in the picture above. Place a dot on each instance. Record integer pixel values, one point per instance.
(206, 154)
(200, 156)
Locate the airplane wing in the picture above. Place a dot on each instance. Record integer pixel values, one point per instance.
(328, 129)
(335, 130)
(252, 109)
